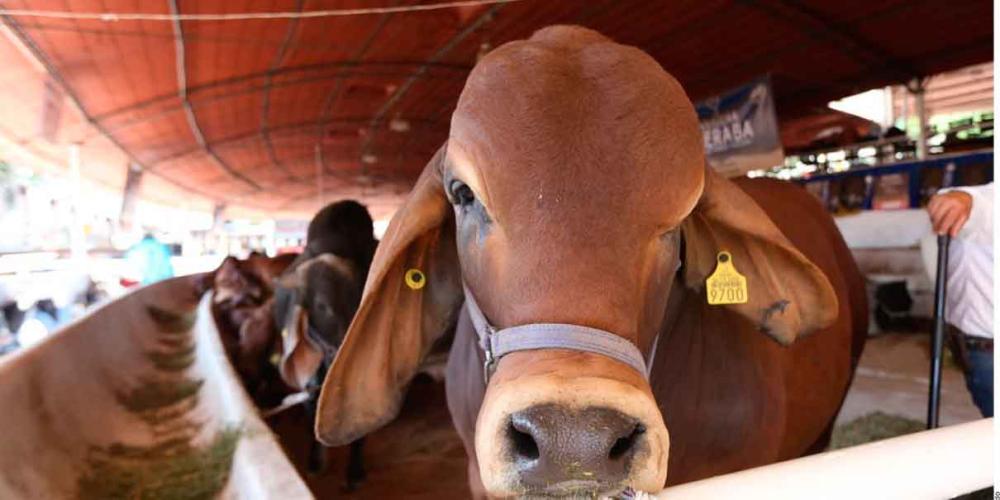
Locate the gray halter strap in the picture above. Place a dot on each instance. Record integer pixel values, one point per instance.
(498, 343)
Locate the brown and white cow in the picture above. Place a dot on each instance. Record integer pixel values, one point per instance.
(241, 307)
(573, 190)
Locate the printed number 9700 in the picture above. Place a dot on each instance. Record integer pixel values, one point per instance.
(727, 295)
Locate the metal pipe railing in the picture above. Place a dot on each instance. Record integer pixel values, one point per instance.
(935, 464)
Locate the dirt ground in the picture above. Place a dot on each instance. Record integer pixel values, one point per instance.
(419, 456)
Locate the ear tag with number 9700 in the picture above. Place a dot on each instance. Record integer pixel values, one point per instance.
(726, 285)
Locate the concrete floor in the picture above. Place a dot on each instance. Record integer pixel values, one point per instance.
(893, 378)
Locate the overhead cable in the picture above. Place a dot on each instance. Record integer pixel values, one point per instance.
(243, 16)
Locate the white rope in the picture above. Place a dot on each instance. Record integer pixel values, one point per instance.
(242, 16)
(290, 401)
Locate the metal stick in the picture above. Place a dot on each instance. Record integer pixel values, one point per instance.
(937, 338)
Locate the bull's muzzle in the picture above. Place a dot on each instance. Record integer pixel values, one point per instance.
(559, 423)
(552, 445)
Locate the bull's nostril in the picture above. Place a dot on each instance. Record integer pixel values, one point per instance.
(624, 444)
(524, 446)
(552, 444)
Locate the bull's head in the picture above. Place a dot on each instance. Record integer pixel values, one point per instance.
(571, 190)
(323, 293)
(319, 295)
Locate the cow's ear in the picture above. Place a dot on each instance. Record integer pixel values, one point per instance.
(411, 298)
(300, 357)
(228, 270)
(788, 295)
(290, 279)
(294, 277)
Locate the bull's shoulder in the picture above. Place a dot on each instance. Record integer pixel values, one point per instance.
(763, 190)
(787, 204)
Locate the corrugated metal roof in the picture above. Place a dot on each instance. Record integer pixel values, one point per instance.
(965, 90)
(252, 110)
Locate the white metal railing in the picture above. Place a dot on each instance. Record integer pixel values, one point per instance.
(938, 464)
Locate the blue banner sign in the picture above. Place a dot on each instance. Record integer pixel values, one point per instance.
(741, 129)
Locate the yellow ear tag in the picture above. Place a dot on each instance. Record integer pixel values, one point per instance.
(726, 285)
(415, 279)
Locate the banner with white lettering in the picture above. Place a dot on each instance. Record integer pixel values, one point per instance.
(741, 129)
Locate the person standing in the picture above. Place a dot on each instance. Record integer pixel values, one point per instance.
(151, 259)
(966, 214)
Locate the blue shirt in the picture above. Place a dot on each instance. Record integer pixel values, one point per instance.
(152, 259)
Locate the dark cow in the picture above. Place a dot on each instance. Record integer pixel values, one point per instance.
(317, 296)
(315, 301)
(573, 203)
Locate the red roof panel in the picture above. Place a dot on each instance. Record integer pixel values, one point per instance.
(278, 100)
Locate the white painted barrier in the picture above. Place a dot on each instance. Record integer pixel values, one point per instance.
(136, 400)
(938, 464)
(884, 228)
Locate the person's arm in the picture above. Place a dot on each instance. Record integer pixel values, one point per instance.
(965, 213)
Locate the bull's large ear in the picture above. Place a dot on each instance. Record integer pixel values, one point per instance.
(788, 295)
(300, 357)
(411, 298)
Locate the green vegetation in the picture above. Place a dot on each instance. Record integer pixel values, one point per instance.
(872, 427)
(155, 395)
(172, 471)
(172, 467)
(171, 322)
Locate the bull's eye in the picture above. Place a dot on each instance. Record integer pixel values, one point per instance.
(461, 193)
(325, 308)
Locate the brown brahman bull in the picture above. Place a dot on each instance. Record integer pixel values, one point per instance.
(572, 203)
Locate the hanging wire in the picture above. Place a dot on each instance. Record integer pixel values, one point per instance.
(242, 16)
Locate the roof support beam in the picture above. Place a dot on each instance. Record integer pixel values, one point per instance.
(166, 111)
(735, 70)
(702, 23)
(403, 89)
(188, 110)
(304, 159)
(593, 9)
(41, 58)
(329, 104)
(133, 179)
(380, 68)
(265, 104)
(918, 87)
(869, 77)
(381, 191)
(815, 25)
(434, 118)
(283, 128)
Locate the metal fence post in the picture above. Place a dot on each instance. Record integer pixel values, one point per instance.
(937, 338)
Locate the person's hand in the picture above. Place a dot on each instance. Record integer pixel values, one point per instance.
(949, 212)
